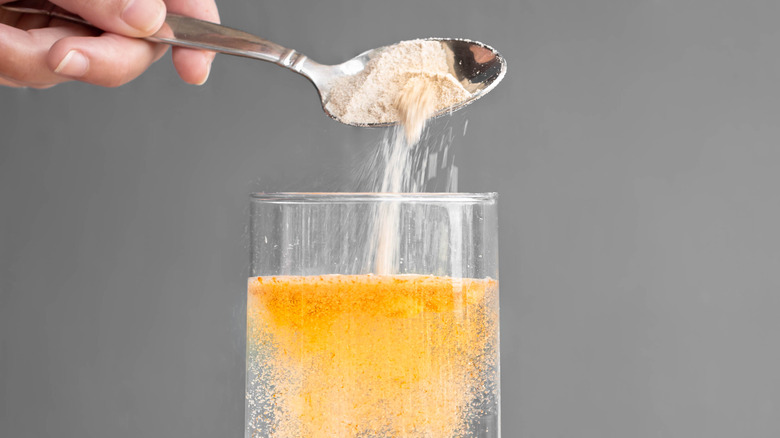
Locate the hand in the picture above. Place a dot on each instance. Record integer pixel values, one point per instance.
(39, 51)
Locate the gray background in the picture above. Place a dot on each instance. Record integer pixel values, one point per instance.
(634, 145)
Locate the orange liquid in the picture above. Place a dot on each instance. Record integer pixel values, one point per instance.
(370, 356)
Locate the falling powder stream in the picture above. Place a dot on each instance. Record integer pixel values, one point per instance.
(409, 82)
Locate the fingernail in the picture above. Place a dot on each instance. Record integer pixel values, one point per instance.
(208, 72)
(144, 15)
(74, 64)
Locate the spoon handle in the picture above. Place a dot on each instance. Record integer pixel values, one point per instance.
(184, 31)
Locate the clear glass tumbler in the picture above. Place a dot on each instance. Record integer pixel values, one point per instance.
(373, 315)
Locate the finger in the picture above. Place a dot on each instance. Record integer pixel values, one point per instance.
(5, 82)
(193, 65)
(109, 60)
(9, 83)
(24, 58)
(133, 18)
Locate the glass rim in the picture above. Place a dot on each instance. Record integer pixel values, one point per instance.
(317, 197)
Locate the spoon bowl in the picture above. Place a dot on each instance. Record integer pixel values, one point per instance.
(476, 66)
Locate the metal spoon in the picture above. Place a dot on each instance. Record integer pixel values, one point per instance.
(477, 66)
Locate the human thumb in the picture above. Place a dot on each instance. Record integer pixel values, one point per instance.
(133, 18)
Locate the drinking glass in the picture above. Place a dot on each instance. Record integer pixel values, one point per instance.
(373, 315)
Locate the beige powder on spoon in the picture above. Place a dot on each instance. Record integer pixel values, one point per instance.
(409, 81)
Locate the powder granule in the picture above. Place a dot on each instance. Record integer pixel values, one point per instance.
(382, 92)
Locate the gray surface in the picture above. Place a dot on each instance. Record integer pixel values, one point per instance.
(634, 145)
